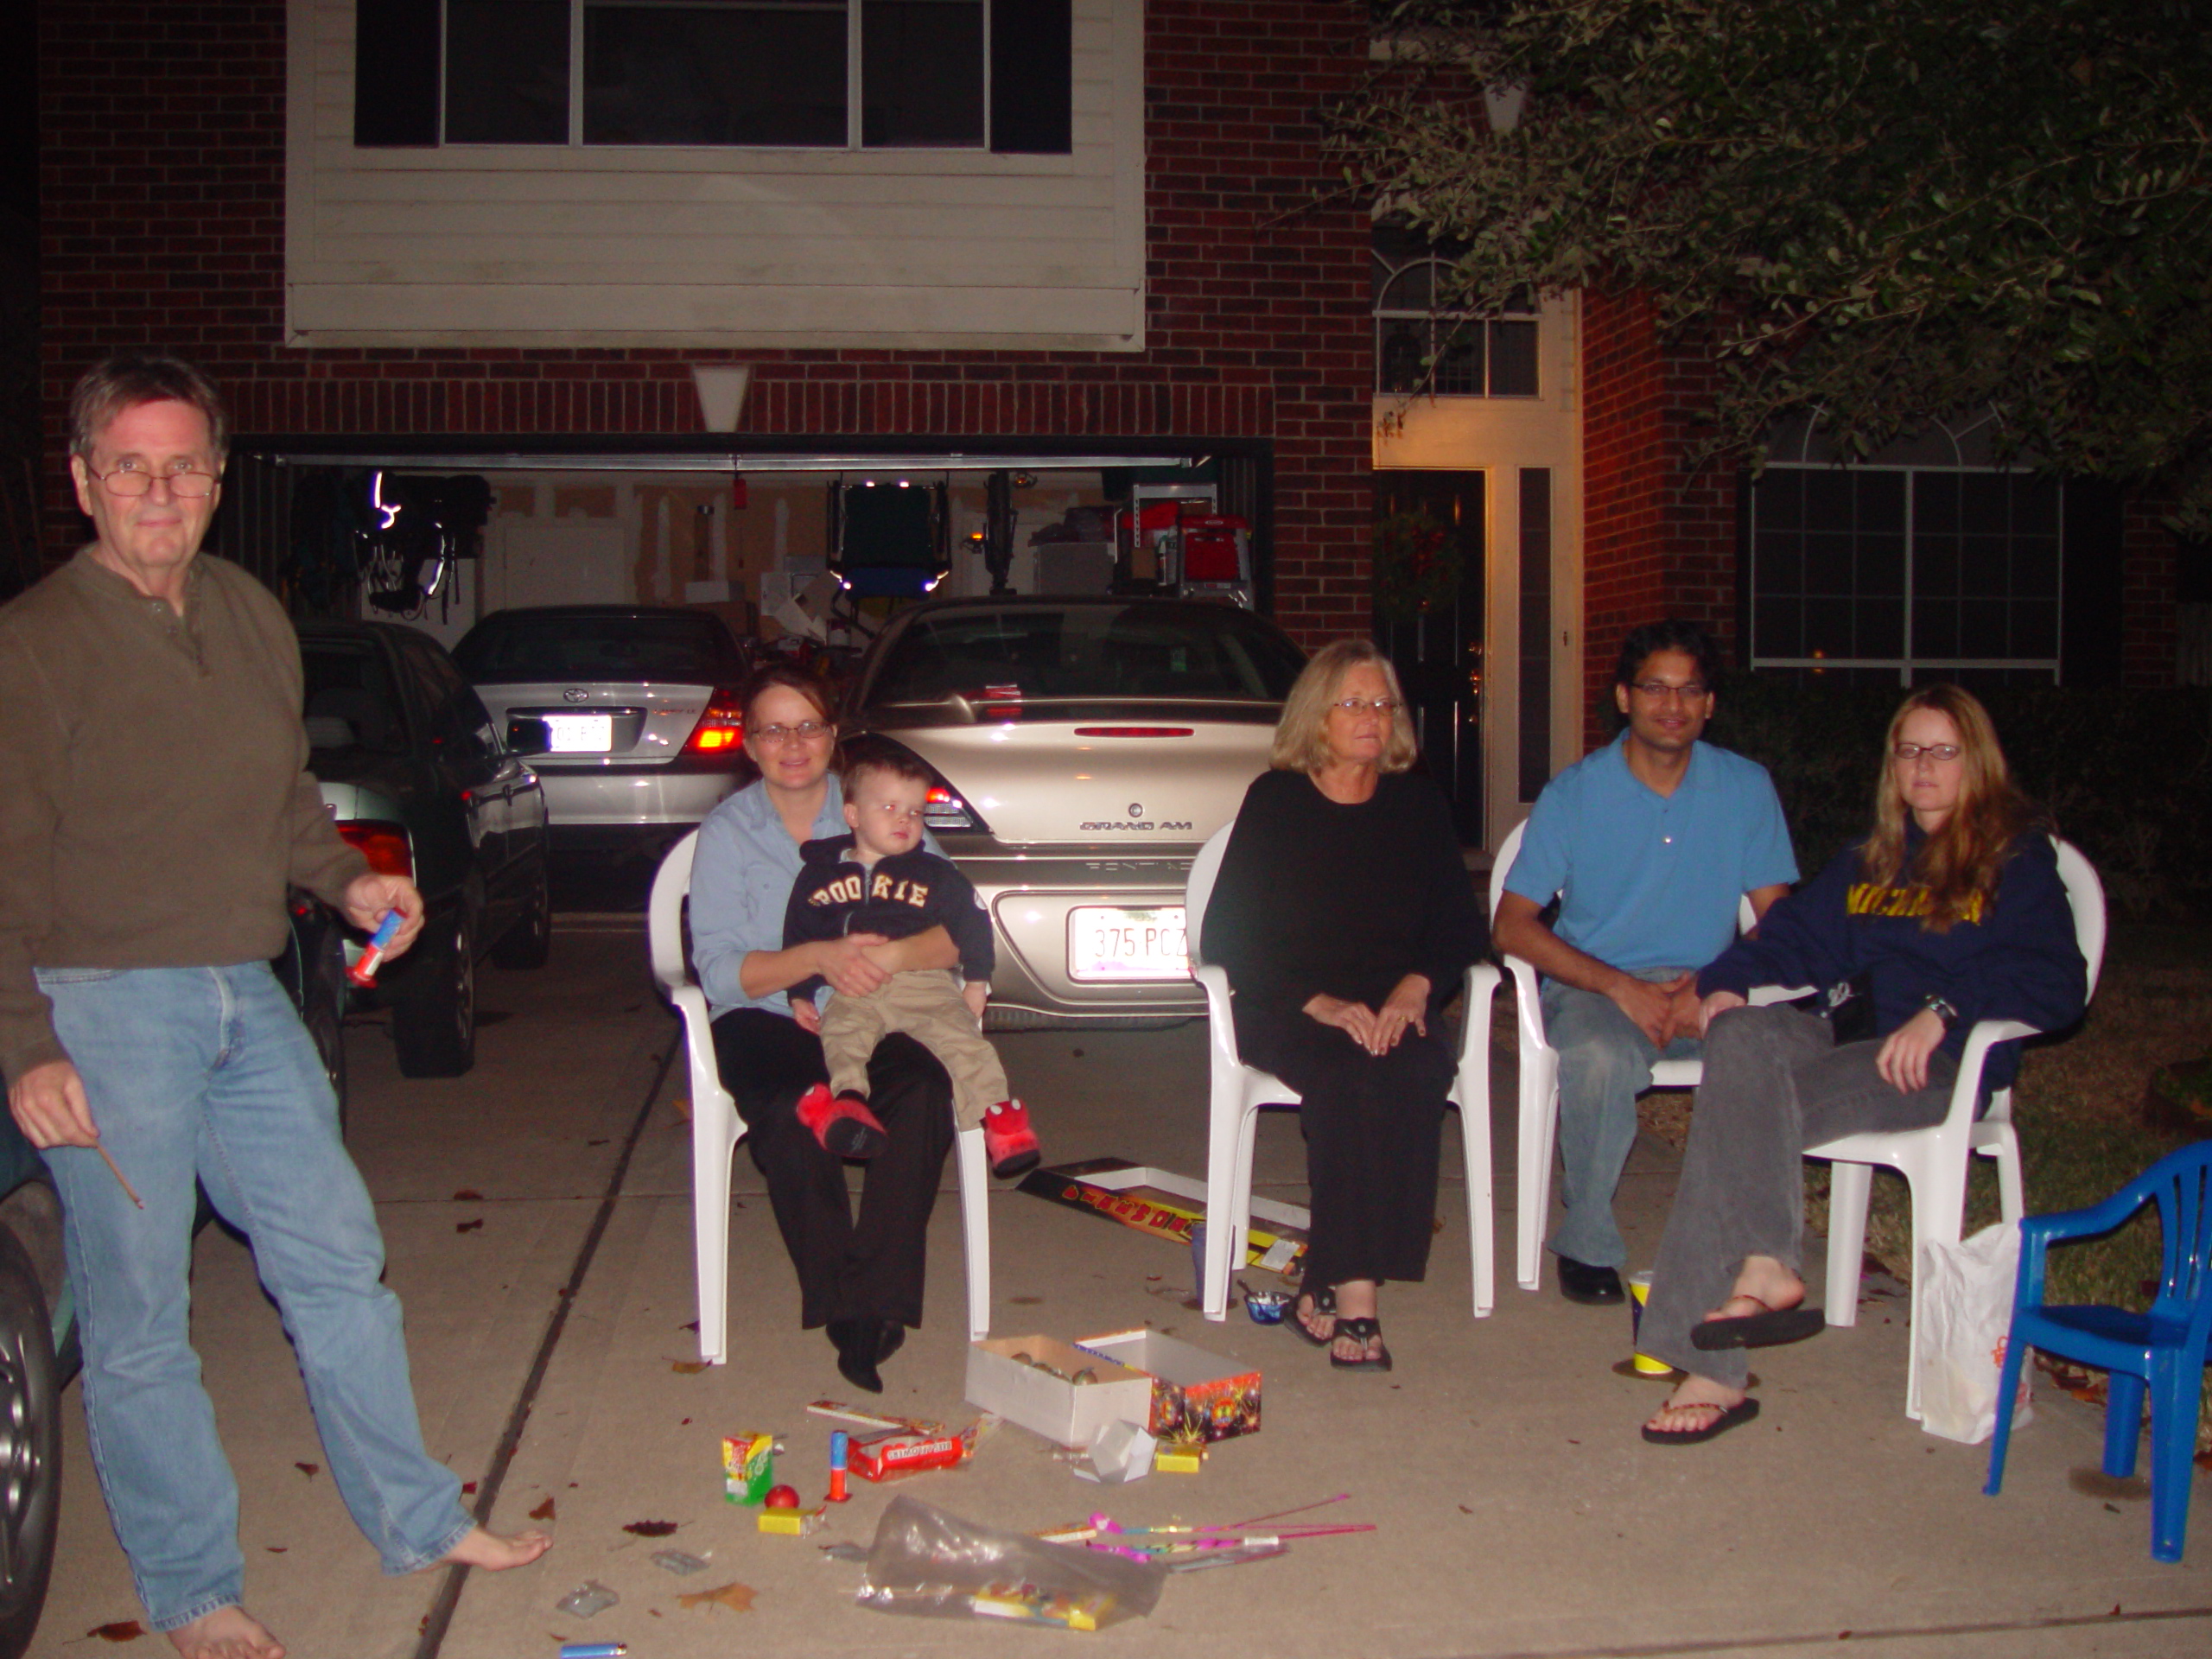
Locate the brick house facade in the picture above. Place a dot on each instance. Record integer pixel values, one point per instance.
(163, 156)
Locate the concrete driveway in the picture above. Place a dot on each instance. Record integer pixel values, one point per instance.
(1516, 1511)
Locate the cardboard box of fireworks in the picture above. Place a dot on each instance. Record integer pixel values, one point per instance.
(1195, 1395)
(1067, 1393)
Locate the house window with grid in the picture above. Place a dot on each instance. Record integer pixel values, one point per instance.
(1902, 576)
(807, 75)
(1420, 347)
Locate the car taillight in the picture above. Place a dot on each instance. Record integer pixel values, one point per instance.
(384, 845)
(721, 729)
(943, 810)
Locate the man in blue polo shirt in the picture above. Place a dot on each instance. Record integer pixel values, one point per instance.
(1650, 843)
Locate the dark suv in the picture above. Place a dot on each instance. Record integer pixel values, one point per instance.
(418, 778)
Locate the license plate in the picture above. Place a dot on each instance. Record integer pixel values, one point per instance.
(581, 734)
(1106, 943)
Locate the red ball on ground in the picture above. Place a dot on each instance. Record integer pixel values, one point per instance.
(783, 1497)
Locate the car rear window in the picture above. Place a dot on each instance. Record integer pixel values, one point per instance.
(1090, 651)
(675, 649)
(350, 702)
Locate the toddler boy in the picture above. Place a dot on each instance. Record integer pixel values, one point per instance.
(880, 879)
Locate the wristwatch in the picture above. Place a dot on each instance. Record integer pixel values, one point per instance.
(1942, 1010)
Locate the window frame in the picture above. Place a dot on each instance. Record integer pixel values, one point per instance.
(1443, 329)
(1910, 666)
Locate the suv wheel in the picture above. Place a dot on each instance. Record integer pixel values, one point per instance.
(434, 1009)
(529, 941)
(30, 1448)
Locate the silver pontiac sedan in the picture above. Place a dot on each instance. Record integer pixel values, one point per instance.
(1083, 750)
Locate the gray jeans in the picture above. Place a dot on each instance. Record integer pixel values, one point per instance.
(1775, 1084)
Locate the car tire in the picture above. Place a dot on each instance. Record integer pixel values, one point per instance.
(30, 1448)
(433, 1006)
(529, 943)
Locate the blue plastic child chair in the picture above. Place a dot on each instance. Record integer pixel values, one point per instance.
(2163, 1351)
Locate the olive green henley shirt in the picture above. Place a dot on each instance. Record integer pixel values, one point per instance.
(155, 799)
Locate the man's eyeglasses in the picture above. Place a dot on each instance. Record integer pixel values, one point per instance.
(806, 732)
(1354, 705)
(1908, 753)
(1659, 690)
(131, 479)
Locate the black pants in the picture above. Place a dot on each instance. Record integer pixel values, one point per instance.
(848, 1268)
(1372, 1125)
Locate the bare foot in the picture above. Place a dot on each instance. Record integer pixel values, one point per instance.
(1762, 1286)
(496, 1552)
(226, 1633)
(1694, 1405)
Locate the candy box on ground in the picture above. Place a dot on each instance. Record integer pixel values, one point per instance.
(1008, 1375)
(748, 1467)
(1195, 1395)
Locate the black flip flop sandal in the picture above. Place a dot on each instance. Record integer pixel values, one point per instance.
(1767, 1328)
(1324, 1302)
(1725, 1418)
(1362, 1331)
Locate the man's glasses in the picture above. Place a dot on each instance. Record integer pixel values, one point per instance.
(1659, 690)
(131, 479)
(806, 732)
(1355, 705)
(1908, 753)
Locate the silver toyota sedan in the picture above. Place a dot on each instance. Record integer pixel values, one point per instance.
(1083, 750)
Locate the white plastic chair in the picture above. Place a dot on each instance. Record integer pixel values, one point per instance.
(1539, 1086)
(716, 1129)
(1236, 1091)
(1934, 1161)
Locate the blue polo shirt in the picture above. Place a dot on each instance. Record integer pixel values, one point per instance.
(1650, 880)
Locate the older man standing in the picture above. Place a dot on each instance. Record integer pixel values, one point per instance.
(153, 803)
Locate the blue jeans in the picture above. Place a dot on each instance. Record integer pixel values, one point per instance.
(207, 1071)
(1605, 1063)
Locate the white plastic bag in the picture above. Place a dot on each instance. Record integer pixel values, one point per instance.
(1966, 1317)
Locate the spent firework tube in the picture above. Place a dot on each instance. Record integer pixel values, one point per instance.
(364, 972)
(840, 1445)
(593, 1649)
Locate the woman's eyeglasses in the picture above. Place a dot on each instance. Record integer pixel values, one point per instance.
(1356, 705)
(1937, 752)
(806, 732)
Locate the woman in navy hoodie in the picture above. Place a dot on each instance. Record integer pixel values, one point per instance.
(1950, 912)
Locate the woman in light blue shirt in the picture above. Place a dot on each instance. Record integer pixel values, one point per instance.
(859, 1276)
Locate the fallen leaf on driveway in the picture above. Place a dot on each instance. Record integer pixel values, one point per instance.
(687, 1367)
(130, 1629)
(543, 1511)
(651, 1528)
(736, 1597)
(310, 1470)
(468, 1195)
(468, 1226)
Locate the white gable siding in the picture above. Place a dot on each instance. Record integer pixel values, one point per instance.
(628, 245)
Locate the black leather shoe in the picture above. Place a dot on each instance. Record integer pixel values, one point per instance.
(1580, 1282)
(893, 1338)
(859, 1343)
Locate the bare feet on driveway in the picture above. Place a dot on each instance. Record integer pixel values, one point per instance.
(496, 1552)
(226, 1633)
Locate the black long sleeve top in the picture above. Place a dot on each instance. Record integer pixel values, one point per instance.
(1318, 896)
(2017, 960)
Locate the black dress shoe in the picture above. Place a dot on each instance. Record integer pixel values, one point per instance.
(1580, 1282)
(859, 1342)
(893, 1338)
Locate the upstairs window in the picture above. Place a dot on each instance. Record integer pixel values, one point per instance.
(1421, 346)
(813, 74)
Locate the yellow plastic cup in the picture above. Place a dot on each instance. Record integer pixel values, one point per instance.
(1639, 1291)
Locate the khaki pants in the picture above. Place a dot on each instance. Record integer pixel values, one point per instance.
(924, 1003)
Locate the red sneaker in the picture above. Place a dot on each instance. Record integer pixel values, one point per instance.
(1008, 1141)
(841, 1123)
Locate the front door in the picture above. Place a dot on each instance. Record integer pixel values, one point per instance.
(1431, 627)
